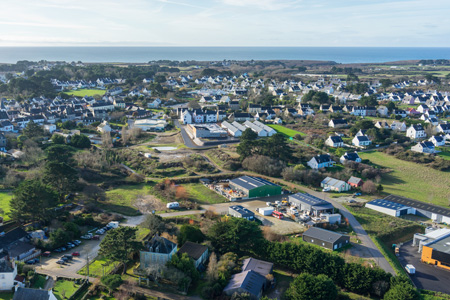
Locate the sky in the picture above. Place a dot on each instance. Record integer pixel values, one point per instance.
(318, 23)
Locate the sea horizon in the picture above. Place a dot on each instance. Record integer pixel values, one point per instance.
(143, 54)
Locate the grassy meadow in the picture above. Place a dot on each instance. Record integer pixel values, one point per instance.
(5, 198)
(286, 131)
(412, 180)
(85, 92)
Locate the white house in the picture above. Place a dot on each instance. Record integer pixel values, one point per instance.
(437, 140)
(382, 110)
(445, 128)
(424, 147)
(104, 127)
(158, 251)
(353, 156)
(416, 131)
(8, 273)
(334, 141)
(398, 126)
(50, 128)
(321, 161)
(361, 141)
(155, 103)
(186, 117)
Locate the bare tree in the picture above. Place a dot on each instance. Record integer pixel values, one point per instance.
(211, 272)
(369, 187)
(106, 140)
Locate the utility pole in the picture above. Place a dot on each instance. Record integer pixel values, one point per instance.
(87, 267)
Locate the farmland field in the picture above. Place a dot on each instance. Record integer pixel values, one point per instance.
(286, 131)
(122, 199)
(412, 180)
(85, 92)
(203, 195)
(5, 197)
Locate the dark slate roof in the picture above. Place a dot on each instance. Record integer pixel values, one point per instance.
(27, 294)
(362, 138)
(250, 182)
(160, 245)
(322, 234)
(438, 138)
(193, 250)
(351, 156)
(322, 158)
(250, 281)
(259, 266)
(18, 248)
(418, 127)
(5, 266)
(308, 199)
(336, 139)
(339, 121)
(419, 205)
(12, 236)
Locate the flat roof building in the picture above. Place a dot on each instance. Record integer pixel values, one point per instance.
(255, 186)
(437, 252)
(239, 211)
(207, 131)
(390, 208)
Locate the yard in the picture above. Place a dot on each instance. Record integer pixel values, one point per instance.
(63, 289)
(411, 180)
(85, 92)
(286, 131)
(203, 195)
(6, 296)
(5, 198)
(445, 154)
(99, 267)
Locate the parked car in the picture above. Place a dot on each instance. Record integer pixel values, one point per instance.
(96, 237)
(76, 254)
(46, 254)
(61, 262)
(100, 232)
(277, 202)
(68, 256)
(87, 236)
(57, 250)
(32, 261)
(63, 249)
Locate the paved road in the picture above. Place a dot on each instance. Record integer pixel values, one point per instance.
(186, 139)
(427, 277)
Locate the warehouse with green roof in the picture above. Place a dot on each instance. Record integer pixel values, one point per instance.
(255, 187)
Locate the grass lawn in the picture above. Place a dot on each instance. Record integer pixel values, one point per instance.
(121, 199)
(85, 92)
(412, 180)
(203, 195)
(286, 131)
(40, 282)
(6, 296)
(5, 197)
(445, 154)
(142, 233)
(66, 287)
(97, 266)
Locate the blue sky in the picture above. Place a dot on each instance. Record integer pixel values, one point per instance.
(340, 23)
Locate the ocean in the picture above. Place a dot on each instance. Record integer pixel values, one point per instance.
(145, 54)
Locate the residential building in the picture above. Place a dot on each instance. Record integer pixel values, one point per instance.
(325, 238)
(438, 140)
(157, 251)
(22, 293)
(445, 128)
(353, 156)
(248, 282)
(3, 142)
(321, 161)
(338, 123)
(334, 141)
(361, 141)
(335, 185)
(424, 147)
(198, 253)
(8, 273)
(104, 127)
(232, 130)
(398, 126)
(416, 131)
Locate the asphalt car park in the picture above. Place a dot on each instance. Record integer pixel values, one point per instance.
(427, 277)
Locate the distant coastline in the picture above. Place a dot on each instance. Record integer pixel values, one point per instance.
(146, 54)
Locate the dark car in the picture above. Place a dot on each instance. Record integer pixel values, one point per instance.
(32, 262)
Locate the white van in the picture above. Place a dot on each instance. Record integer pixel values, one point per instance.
(173, 205)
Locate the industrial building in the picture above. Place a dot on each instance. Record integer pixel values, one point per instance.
(325, 238)
(150, 124)
(390, 208)
(436, 213)
(239, 211)
(207, 131)
(431, 234)
(255, 187)
(310, 204)
(437, 252)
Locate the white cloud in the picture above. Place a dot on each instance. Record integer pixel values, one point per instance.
(263, 4)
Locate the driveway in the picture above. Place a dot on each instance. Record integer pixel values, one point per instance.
(427, 277)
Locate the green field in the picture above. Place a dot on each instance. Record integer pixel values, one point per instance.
(5, 197)
(97, 267)
(286, 131)
(66, 287)
(121, 199)
(85, 92)
(203, 195)
(412, 180)
(445, 154)
(6, 296)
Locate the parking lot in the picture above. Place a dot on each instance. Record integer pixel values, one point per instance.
(427, 277)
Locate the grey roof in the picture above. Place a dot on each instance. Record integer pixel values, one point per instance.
(387, 204)
(193, 250)
(419, 205)
(27, 294)
(250, 281)
(250, 182)
(308, 199)
(12, 236)
(160, 245)
(18, 248)
(322, 234)
(354, 180)
(241, 210)
(5, 266)
(259, 266)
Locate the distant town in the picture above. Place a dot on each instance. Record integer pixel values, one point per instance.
(225, 180)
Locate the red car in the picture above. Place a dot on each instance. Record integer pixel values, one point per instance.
(46, 253)
(76, 254)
